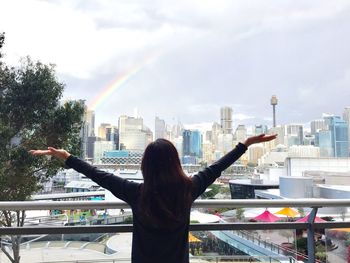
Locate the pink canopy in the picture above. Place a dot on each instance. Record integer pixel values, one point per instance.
(267, 217)
(306, 219)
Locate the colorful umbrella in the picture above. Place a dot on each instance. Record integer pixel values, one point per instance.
(306, 219)
(287, 211)
(192, 238)
(267, 216)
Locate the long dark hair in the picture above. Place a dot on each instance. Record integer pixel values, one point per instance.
(166, 191)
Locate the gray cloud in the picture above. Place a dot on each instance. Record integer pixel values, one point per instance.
(234, 53)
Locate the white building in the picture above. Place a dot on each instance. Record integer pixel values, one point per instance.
(240, 133)
(304, 151)
(274, 158)
(208, 151)
(159, 129)
(297, 166)
(224, 143)
(133, 135)
(100, 147)
(255, 152)
(226, 119)
(317, 125)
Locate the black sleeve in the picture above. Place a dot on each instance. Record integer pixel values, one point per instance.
(206, 177)
(121, 188)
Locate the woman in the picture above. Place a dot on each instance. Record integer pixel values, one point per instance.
(161, 204)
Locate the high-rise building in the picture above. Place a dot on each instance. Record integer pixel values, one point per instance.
(215, 131)
(192, 143)
(323, 139)
(159, 129)
(317, 125)
(108, 132)
(346, 117)
(224, 144)
(260, 129)
(89, 118)
(100, 147)
(240, 133)
(90, 146)
(339, 132)
(133, 135)
(255, 152)
(294, 134)
(176, 130)
(87, 130)
(309, 139)
(102, 130)
(333, 141)
(208, 151)
(226, 119)
(280, 131)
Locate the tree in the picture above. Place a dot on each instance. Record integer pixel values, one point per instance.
(31, 117)
(2, 39)
(240, 213)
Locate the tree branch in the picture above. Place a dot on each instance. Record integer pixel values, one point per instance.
(7, 254)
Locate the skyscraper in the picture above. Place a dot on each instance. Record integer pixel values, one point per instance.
(339, 135)
(226, 120)
(334, 140)
(259, 129)
(192, 144)
(241, 133)
(108, 132)
(89, 119)
(133, 135)
(294, 134)
(323, 139)
(102, 130)
(346, 117)
(159, 128)
(317, 125)
(87, 130)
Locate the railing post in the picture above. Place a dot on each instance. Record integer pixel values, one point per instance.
(311, 236)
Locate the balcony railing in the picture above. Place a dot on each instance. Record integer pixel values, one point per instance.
(244, 203)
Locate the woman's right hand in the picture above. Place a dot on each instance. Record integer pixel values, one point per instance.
(259, 139)
(58, 153)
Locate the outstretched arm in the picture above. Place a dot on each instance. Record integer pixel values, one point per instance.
(206, 177)
(58, 153)
(120, 187)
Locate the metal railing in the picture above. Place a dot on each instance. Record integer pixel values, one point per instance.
(251, 203)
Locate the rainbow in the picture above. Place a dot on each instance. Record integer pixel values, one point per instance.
(121, 79)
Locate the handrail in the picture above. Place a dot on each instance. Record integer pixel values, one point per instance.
(245, 203)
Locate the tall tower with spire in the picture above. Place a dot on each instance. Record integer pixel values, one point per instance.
(274, 103)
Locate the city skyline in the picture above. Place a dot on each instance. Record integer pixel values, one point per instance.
(204, 126)
(185, 60)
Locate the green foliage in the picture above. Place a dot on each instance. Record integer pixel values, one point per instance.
(240, 213)
(302, 243)
(31, 117)
(212, 191)
(301, 211)
(2, 39)
(322, 256)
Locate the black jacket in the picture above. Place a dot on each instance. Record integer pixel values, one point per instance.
(151, 244)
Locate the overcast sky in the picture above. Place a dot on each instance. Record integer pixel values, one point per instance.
(209, 54)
